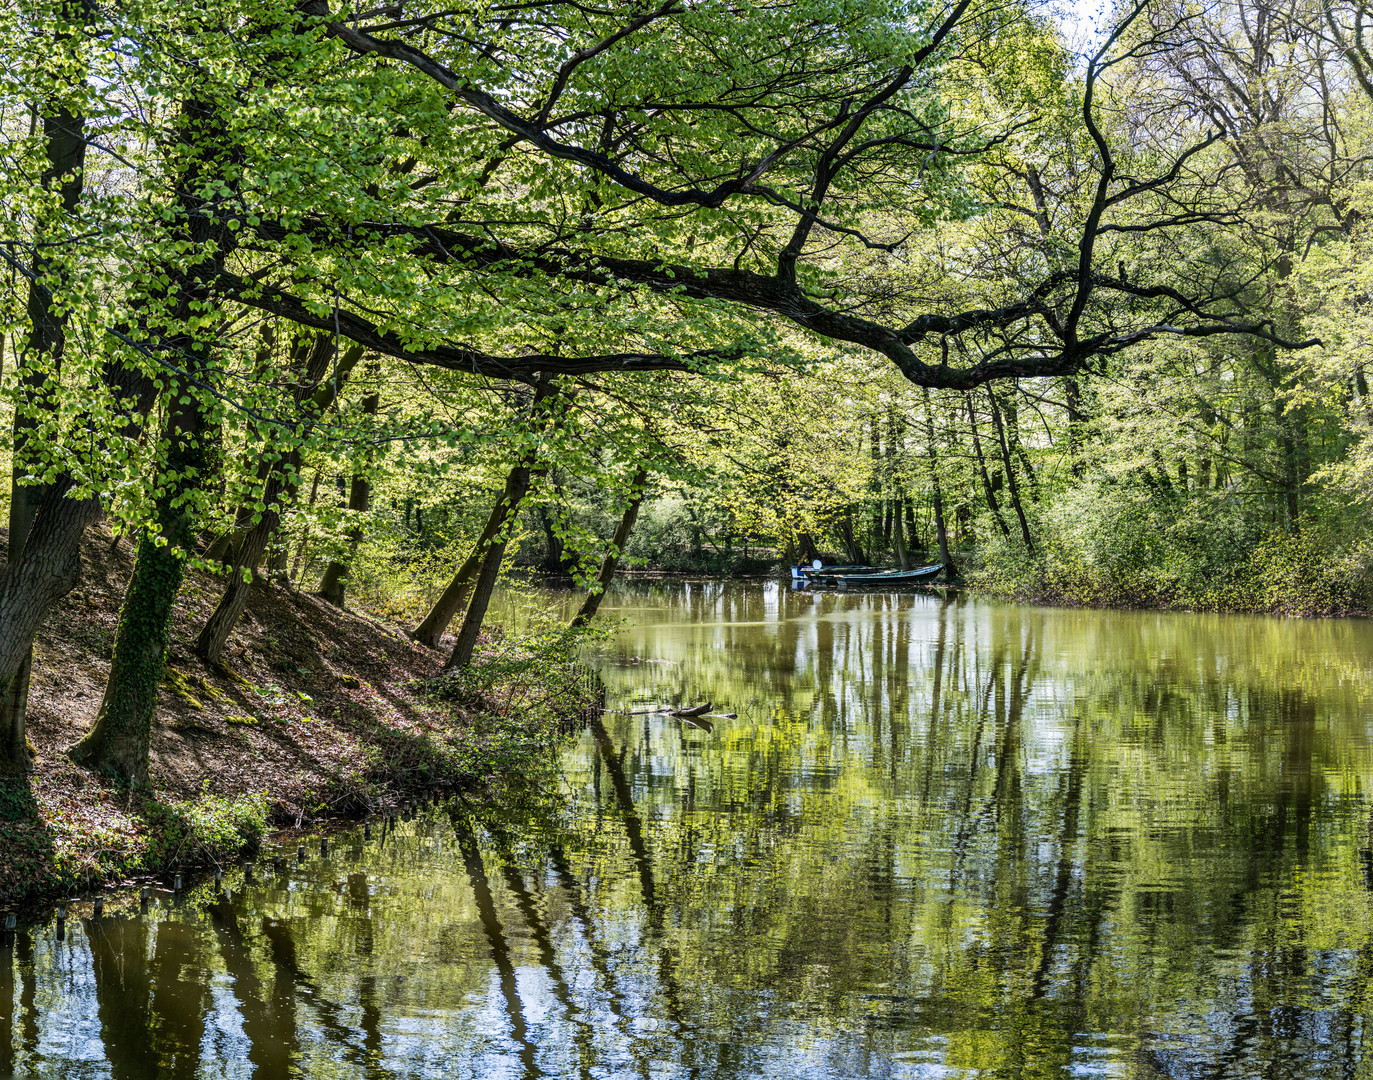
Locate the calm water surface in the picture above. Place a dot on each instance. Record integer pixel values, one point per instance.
(940, 839)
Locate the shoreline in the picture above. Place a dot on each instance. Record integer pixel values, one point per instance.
(316, 716)
(971, 586)
(318, 719)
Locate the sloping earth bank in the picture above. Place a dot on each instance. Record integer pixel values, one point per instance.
(314, 713)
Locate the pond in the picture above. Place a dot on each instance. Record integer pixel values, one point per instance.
(940, 838)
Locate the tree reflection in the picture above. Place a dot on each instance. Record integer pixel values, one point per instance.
(495, 937)
(120, 970)
(941, 836)
(6, 1004)
(269, 1014)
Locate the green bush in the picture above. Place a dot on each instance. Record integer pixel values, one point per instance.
(194, 832)
(1111, 545)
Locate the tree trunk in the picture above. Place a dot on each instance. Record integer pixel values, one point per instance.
(1010, 473)
(913, 537)
(49, 568)
(851, 546)
(277, 546)
(121, 737)
(617, 547)
(314, 397)
(805, 549)
(64, 135)
(1011, 416)
(1288, 426)
(517, 484)
(476, 609)
(214, 635)
(982, 469)
(553, 560)
(899, 536)
(298, 565)
(359, 499)
(879, 543)
(950, 570)
(1072, 396)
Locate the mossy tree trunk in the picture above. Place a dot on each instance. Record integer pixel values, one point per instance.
(120, 739)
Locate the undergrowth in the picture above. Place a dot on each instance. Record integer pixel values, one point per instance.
(1120, 549)
(516, 700)
(134, 833)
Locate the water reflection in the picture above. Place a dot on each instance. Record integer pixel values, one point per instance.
(942, 838)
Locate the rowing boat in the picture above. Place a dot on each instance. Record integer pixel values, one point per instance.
(873, 576)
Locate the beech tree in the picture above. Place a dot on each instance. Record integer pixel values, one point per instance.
(520, 194)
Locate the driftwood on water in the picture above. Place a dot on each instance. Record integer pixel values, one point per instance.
(692, 710)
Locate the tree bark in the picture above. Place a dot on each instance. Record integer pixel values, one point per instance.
(1072, 396)
(987, 488)
(617, 546)
(359, 500)
(1010, 474)
(899, 536)
(1011, 410)
(913, 537)
(554, 561)
(121, 737)
(941, 532)
(851, 546)
(476, 608)
(313, 398)
(879, 542)
(48, 569)
(299, 564)
(64, 135)
(517, 484)
(49, 566)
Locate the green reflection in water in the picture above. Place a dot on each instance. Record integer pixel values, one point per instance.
(940, 839)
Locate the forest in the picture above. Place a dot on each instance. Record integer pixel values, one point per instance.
(383, 304)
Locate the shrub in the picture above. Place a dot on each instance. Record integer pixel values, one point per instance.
(1111, 545)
